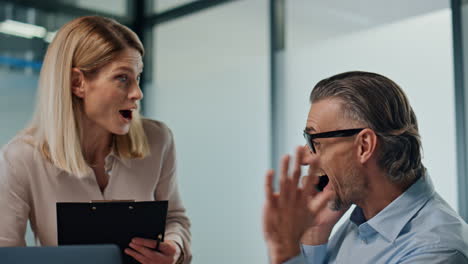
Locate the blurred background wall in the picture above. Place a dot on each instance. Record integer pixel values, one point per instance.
(235, 105)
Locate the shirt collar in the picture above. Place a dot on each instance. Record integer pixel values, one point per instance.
(114, 155)
(390, 221)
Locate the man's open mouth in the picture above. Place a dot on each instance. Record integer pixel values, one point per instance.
(323, 181)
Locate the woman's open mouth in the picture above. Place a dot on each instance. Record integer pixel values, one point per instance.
(126, 114)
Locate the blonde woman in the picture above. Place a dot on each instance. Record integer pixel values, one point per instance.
(87, 141)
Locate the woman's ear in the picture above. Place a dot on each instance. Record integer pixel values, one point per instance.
(367, 141)
(77, 82)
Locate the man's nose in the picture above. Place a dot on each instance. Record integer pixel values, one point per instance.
(307, 156)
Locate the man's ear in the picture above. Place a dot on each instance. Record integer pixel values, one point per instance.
(77, 82)
(367, 142)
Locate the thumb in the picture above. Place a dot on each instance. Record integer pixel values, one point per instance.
(320, 200)
(168, 248)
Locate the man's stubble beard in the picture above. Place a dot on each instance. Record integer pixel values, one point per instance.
(353, 188)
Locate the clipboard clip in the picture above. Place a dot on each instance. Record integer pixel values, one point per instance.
(112, 201)
(158, 241)
(94, 208)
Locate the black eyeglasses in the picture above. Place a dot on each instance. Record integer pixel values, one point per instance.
(330, 134)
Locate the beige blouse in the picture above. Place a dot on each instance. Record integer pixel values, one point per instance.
(30, 186)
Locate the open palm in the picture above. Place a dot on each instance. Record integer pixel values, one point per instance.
(294, 211)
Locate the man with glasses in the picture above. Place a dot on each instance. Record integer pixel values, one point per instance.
(363, 144)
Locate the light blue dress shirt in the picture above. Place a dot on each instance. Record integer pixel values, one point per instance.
(417, 227)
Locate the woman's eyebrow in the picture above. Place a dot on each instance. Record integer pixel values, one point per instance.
(124, 68)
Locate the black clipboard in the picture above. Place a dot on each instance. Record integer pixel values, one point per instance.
(110, 223)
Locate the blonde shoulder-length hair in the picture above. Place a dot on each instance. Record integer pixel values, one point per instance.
(87, 43)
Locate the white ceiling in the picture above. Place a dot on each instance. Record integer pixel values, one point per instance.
(359, 12)
(323, 19)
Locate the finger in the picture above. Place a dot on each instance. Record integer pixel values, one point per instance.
(297, 167)
(285, 167)
(309, 183)
(139, 257)
(164, 247)
(321, 200)
(149, 243)
(304, 181)
(167, 249)
(269, 185)
(147, 252)
(284, 181)
(296, 174)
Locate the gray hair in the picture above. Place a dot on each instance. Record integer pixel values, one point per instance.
(380, 104)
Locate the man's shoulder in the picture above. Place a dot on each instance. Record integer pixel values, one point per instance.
(438, 216)
(436, 225)
(434, 229)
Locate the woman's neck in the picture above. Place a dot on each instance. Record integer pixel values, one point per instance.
(96, 143)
